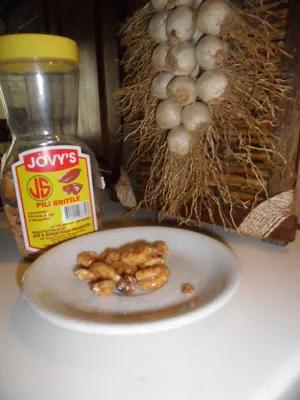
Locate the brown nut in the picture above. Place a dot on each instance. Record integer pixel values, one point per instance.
(130, 269)
(101, 270)
(154, 262)
(84, 274)
(86, 258)
(119, 267)
(187, 288)
(161, 247)
(105, 253)
(123, 269)
(149, 272)
(126, 285)
(138, 255)
(113, 256)
(157, 282)
(70, 176)
(103, 288)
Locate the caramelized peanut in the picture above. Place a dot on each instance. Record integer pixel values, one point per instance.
(187, 288)
(138, 255)
(130, 269)
(100, 270)
(157, 282)
(103, 288)
(86, 258)
(155, 261)
(161, 247)
(84, 274)
(113, 256)
(149, 273)
(105, 253)
(144, 253)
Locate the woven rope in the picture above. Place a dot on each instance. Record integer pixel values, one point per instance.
(124, 191)
(266, 217)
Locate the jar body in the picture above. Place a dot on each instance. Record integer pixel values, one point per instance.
(50, 180)
(38, 218)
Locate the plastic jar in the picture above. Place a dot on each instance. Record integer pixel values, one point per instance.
(50, 179)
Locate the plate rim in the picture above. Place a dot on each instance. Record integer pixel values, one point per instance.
(117, 329)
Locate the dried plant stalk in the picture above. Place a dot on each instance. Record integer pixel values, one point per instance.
(243, 131)
(136, 103)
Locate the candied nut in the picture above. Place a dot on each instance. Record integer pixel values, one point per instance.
(101, 270)
(70, 176)
(187, 288)
(8, 186)
(138, 255)
(113, 256)
(130, 269)
(144, 253)
(149, 273)
(105, 253)
(157, 282)
(119, 267)
(84, 274)
(161, 247)
(126, 285)
(86, 258)
(155, 261)
(103, 288)
(123, 269)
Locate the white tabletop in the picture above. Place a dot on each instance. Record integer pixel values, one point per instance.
(250, 350)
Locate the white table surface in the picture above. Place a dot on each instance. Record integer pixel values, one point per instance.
(250, 350)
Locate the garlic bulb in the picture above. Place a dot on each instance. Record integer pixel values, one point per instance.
(159, 4)
(212, 85)
(211, 16)
(196, 72)
(169, 4)
(182, 90)
(179, 141)
(196, 4)
(180, 25)
(211, 52)
(196, 117)
(168, 115)
(181, 59)
(197, 36)
(159, 56)
(159, 85)
(157, 27)
(176, 3)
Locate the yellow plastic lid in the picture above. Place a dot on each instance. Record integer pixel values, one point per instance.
(21, 47)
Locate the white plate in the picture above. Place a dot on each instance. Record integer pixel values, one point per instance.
(52, 291)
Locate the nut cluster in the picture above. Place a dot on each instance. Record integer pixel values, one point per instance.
(124, 268)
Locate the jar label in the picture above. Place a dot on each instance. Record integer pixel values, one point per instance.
(55, 195)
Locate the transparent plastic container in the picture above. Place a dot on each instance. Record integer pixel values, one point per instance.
(50, 180)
